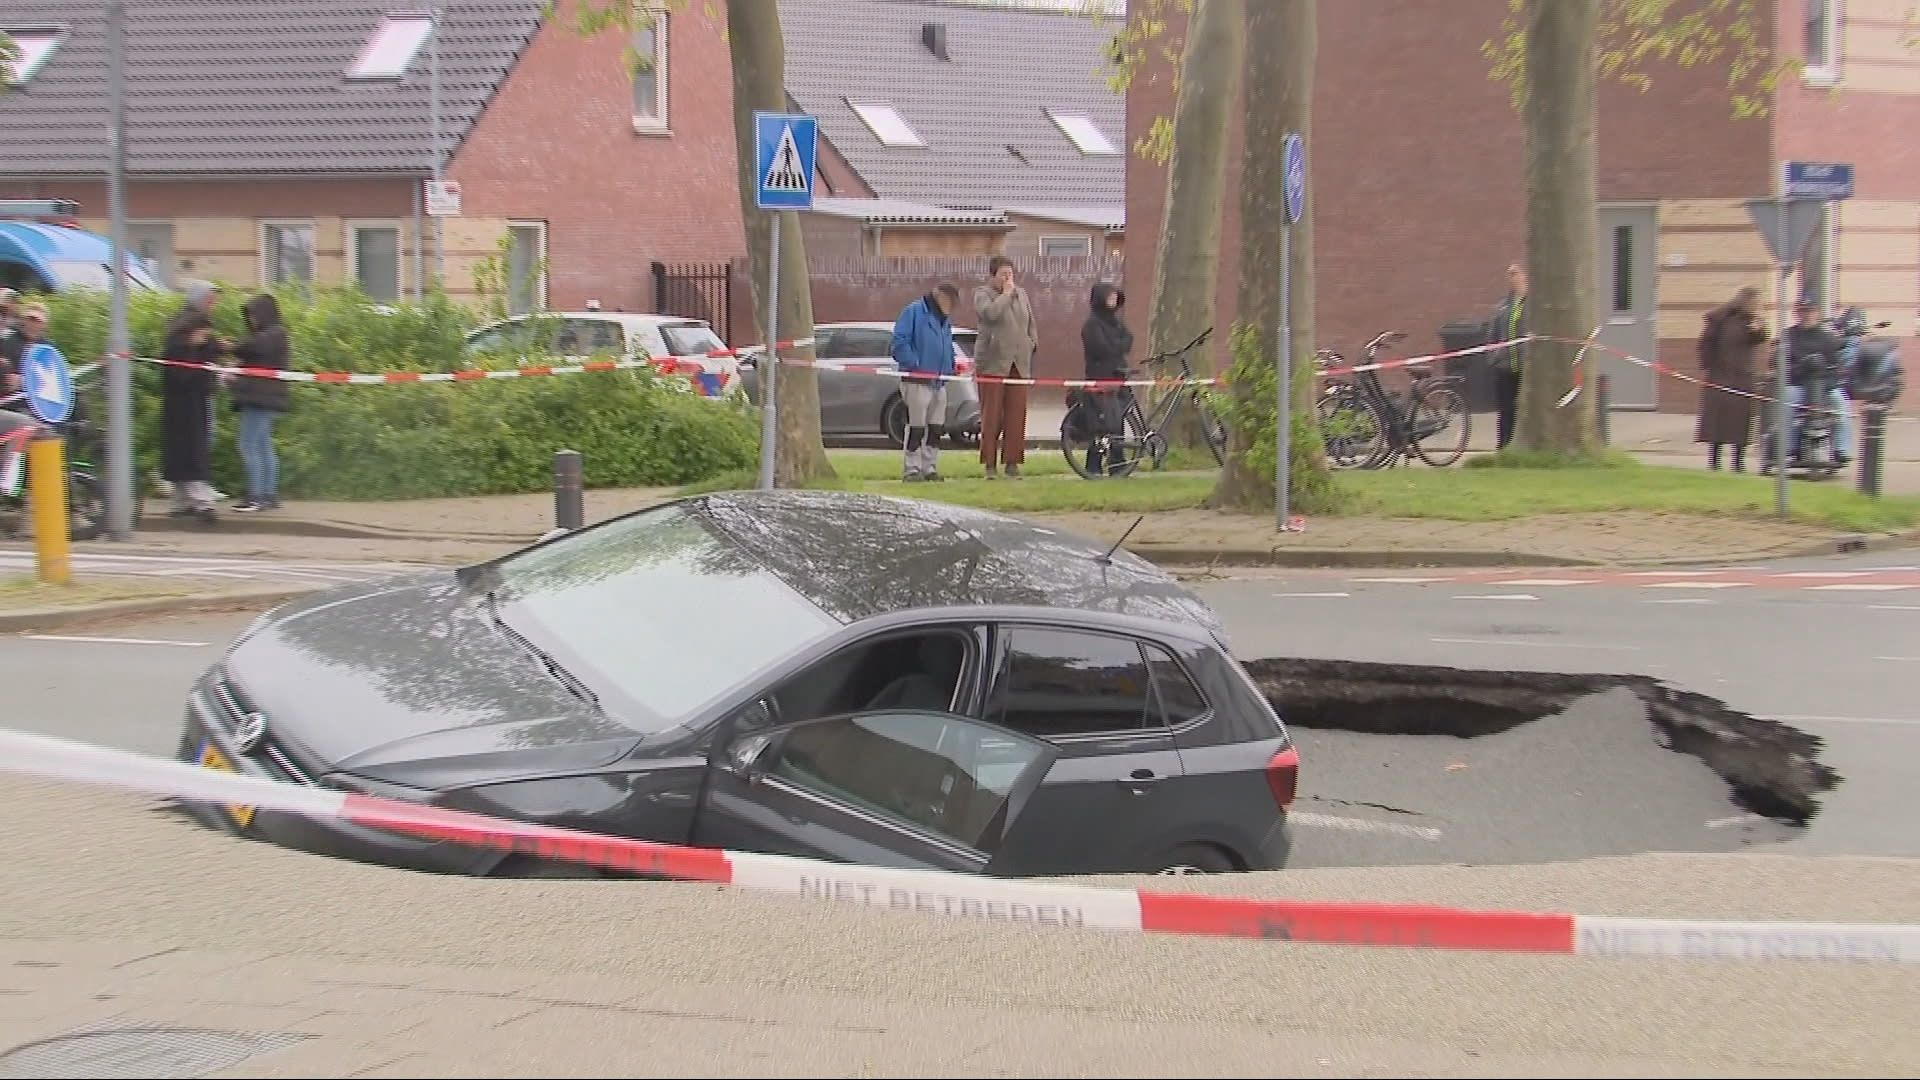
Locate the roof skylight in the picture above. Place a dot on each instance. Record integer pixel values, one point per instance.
(392, 48)
(1085, 135)
(34, 48)
(887, 125)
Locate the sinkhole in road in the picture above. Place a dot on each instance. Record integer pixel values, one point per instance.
(1426, 763)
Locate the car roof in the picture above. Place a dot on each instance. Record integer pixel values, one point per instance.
(861, 556)
(877, 326)
(627, 318)
(36, 242)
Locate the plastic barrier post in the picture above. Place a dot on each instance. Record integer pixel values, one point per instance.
(569, 510)
(1603, 407)
(1873, 449)
(47, 483)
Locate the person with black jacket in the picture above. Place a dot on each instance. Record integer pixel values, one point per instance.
(260, 400)
(1106, 341)
(1811, 345)
(187, 384)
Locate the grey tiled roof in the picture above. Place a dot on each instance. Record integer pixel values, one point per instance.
(902, 212)
(251, 86)
(1007, 68)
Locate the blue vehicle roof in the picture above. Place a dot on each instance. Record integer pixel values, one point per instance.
(52, 252)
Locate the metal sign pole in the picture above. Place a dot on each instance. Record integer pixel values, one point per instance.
(439, 166)
(770, 363)
(1283, 372)
(1780, 372)
(121, 491)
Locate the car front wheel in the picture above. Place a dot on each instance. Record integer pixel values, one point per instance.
(893, 421)
(1195, 859)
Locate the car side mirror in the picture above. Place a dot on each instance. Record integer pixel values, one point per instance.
(743, 757)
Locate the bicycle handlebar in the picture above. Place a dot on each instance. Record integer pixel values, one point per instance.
(1163, 357)
(1389, 337)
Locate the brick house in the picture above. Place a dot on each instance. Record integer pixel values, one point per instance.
(1417, 170)
(282, 139)
(965, 127)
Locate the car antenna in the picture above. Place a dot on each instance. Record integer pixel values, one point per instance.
(1106, 559)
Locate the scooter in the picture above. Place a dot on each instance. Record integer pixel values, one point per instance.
(1874, 375)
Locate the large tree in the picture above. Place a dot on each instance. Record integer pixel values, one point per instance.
(1277, 98)
(757, 49)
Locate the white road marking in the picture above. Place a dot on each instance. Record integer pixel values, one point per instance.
(1400, 580)
(1529, 644)
(1843, 719)
(191, 571)
(1824, 573)
(1500, 596)
(1675, 573)
(1737, 819)
(1325, 594)
(1900, 659)
(1858, 586)
(1350, 824)
(1682, 600)
(1695, 585)
(1546, 581)
(115, 640)
(1893, 607)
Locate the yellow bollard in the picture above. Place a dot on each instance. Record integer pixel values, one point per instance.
(47, 487)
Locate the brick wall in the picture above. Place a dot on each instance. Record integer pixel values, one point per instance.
(558, 144)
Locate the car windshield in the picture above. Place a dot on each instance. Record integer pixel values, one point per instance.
(79, 273)
(656, 612)
(691, 339)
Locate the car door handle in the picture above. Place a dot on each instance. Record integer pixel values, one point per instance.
(1140, 780)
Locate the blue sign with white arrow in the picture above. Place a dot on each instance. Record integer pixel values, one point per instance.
(1293, 157)
(47, 382)
(784, 146)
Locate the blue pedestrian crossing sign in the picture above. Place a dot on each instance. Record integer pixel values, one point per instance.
(784, 148)
(1293, 160)
(48, 384)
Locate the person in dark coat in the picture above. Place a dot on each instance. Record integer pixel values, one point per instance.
(186, 403)
(1731, 338)
(1105, 341)
(1509, 323)
(260, 400)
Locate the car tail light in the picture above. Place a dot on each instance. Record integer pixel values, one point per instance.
(1283, 775)
(963, 366)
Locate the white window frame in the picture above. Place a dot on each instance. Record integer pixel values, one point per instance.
(260, 247)
(389, 24)
(47, 39)
(659, 124)
(1085, 242)
(1827, 72)
(540, 299)
(1069, 125)
(913, 140)
(351, 228)
(166, 275)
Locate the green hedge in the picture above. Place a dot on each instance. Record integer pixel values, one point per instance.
(420, 441)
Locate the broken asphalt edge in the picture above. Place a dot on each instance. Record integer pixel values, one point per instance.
(39, 619)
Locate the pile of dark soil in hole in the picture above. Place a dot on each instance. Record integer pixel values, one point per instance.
(1770, 768)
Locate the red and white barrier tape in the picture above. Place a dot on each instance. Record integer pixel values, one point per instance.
(1024, 903)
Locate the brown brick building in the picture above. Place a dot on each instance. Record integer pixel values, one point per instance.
(1416, 169)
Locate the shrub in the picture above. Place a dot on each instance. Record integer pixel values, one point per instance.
(632, 428)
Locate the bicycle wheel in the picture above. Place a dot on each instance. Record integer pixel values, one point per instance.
(1212, 430)
(1350, 426)
(1440, 426)
(86, 507)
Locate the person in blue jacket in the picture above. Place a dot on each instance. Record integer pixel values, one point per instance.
(923, 351)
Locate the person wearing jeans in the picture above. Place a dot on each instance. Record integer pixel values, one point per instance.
(923, 351)
(260, 400)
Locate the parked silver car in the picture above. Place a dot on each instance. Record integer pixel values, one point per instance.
(864, 402)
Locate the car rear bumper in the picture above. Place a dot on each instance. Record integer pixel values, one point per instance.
(1276, 847)
(202, 729)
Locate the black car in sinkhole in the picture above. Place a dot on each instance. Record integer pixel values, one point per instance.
(840, 676)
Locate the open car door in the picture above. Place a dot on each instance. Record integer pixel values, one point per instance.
(897, 788)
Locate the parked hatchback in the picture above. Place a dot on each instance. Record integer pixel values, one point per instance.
(578, 335)
(860, 395)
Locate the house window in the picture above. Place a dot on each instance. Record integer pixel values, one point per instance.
(1085, 135)
(887, 124)
(373, 258)
(286, 252)
(1622, 269)
(153, 242)
(526, 267)
(650, 73)
(32, 50)
(1066, 246)
(394, 44)
(1821, 51)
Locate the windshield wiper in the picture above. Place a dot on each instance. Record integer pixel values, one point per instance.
(564, 677)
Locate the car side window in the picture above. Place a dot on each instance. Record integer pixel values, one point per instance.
(863, 344)
(577, 337)
(1180, 700)
(1071, 682)
(946, 774)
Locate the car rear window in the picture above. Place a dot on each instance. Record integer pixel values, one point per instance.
(691, 339)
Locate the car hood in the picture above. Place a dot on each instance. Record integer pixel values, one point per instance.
(409, 682)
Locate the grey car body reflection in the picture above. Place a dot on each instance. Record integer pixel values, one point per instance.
(842, 676)
(857, 402)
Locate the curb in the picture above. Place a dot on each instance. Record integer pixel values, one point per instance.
(1033, 904)
(311, 527)
(1350, 558)
(14, 622)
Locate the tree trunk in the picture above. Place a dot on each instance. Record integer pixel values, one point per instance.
(1280, 47)
(1187, 270)
(1562, 102)
(758, 51)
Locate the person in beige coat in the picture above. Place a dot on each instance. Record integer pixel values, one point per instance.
(1008, 340)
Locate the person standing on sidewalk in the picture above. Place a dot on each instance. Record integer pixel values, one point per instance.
(1008, 342)
(186, 403)
(1105, 342)
(260, 400)
(1509, 323)
(923, 351)
(1731, 337)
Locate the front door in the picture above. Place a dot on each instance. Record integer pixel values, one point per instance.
(1628, 320)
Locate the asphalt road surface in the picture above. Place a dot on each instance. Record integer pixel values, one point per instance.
(18, 560)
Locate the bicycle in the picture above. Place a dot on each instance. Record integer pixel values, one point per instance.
(86, 491)
(1364, 425)
(1139, 435)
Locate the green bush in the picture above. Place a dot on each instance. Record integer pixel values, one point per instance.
(632, 428)
(1248, 403)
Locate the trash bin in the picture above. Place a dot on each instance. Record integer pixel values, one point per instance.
(1477, 369)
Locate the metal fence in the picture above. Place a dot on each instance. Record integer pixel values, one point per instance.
(696, 291)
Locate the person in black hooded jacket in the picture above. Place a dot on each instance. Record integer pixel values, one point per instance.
(1106, 342)
(260, 400)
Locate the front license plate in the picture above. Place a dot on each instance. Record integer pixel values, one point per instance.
(212, 758)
